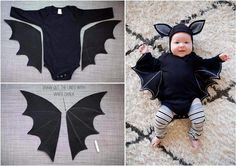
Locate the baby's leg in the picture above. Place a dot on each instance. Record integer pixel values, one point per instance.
(162, 119)
(197, 117)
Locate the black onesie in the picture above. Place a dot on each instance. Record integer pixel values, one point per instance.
(61, 34)
(176, 81)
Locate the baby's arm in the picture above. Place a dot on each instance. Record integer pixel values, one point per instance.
(224, 57)
(147, 61)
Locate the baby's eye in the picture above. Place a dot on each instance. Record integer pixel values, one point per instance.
(186, 42)
(176, 42)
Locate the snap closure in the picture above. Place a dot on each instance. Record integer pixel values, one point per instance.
(62, 76)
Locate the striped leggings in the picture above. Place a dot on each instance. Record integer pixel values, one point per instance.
(196, 115)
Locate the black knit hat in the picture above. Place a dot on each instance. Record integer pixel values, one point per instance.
(193, 29)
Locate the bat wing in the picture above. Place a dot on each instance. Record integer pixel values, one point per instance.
(204, 78)
(94, 40)
(151, 77)
(150, 81)
(46, 122)
(79, 120)
(29, 40)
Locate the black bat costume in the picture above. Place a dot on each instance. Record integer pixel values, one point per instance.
(47, 121)
(177, 81)
(61, 29)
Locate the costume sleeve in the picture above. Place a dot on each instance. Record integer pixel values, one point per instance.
(148, 63)
(30, 16)
(211, 62)
(93, 15)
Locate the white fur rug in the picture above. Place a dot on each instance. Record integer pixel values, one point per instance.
(218, 35)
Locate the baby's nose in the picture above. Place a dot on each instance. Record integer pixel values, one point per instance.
(181, 44)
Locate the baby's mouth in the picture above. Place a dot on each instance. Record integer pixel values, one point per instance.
(181, 50)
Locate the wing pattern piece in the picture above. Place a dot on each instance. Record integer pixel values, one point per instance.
(30, 42)
(204, 77)
(46, 122)
(80, 121)
(93, 46)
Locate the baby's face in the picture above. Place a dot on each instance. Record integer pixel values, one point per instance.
(181, 44)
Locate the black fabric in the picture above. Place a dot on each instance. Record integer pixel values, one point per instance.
(180, 28)
(61, 35)
(47, 121)
(91, 46)
(148, 70)
(79, 119)
(29, 39)
(176, 81)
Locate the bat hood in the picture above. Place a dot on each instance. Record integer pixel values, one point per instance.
(180, 28)
(166, 30)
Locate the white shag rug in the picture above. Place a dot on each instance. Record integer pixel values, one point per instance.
(218, 35)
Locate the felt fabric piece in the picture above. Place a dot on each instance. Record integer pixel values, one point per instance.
(47, 121)
(61, 31)
(177, 81)
(91, 46)
(79, 120)
(25, 34)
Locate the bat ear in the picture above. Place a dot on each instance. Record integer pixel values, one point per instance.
(196, 26)
(163, 29)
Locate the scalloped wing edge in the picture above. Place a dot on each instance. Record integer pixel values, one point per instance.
(20, 51)
(103, 50)
(101, 113)
(214, 76)
(145, 87)
(52, 156)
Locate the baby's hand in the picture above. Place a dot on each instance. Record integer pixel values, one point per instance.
(143, 49)
(224, 57)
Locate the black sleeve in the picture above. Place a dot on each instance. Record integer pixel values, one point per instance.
(148, 63)
(211, 62)
(30, 16)
(93, 15)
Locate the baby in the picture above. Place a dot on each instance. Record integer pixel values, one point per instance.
(179, 79)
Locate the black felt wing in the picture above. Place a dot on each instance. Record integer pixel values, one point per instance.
(150, 76)
(46, 122)
(204, 77)
(30, 42)
(94, 40)
(79, 119)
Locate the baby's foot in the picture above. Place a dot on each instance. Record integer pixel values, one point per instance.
(196, 144)
(155, 141)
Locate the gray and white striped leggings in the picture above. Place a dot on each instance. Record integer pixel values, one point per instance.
(196, 115)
